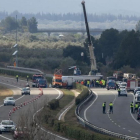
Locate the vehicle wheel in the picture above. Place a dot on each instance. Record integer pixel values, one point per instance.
(126, 95)
(0, 132)
(13, 104)
(4, 104)
(137, 118)
(115, 88)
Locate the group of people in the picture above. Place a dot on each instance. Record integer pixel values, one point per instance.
(26, 77)
(93, 83)
(134, 107)
(110, 108)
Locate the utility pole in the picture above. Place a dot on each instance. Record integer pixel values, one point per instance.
(17, 45)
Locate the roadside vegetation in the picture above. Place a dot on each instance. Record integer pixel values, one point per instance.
(5, 92)
(112, 51)
(69, 128)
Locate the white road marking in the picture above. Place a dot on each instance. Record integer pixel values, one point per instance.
(129, 130)
(5, 137)
(10, 85)
(136, 133)
(119, 125)
(123, 128)
(59, 96)
(64, 111)
(132, 114)
(85, 112)
(16, 100)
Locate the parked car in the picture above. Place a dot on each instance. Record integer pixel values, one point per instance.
(136, 89)
(20, 133)
(137, 97)
(123, 91)
(7, 126)
(25, 91)
(138, 116)
(9, 101)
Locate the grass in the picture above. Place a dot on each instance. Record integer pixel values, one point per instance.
(70, 116)
(5, 92)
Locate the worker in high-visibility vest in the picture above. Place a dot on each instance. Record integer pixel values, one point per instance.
(17, 77)
(111, 107)
(136, 107)
(131, 106)
(104, 107)
(27, 78)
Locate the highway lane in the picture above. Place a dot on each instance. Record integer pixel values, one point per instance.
(121, 121)
(48, 94)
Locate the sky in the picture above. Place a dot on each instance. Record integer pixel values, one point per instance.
(124, 7)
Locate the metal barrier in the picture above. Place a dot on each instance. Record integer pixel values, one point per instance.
(25, 69)
(96, 128)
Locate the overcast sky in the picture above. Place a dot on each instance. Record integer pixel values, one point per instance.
(125, 7)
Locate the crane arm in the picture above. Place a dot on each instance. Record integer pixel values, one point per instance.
(91, 51)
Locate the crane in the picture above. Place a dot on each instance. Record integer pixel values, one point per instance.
(91, 51)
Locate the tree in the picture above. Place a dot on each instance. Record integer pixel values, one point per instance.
(128, 52)
(23, 21)
(9, 23)
(109, 43)
(138, 26)
(32, 25)
(75, 53)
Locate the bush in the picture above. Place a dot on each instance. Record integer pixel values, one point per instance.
(82, 96)
(53, 104)
(72, 132)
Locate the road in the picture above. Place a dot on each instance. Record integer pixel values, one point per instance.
(121, 121)
(48, 94)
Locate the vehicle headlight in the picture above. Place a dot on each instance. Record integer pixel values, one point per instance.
(2, 128)
(13, 128)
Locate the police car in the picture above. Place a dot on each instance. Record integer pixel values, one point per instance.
(123, 91)
(137, 97)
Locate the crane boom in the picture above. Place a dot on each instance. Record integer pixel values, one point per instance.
(91, 51)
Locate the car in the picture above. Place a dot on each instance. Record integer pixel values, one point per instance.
(137, 97)
(138, 116)
(20, 132)
(9, 101)
(123, 84)
(7, 126)
(123, 92)
(136, 89)
(25, 91)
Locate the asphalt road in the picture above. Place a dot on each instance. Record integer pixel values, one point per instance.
(121, 121)
(48, 94)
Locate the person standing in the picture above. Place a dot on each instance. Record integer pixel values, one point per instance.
(104, 107)
(17, 77)
(27, 78)
(119, 91)
(131, 106)
(111, 108)
(136, 107)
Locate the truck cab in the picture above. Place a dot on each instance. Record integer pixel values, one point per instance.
(41, 83)
(35, 77)
(57, 81)
(111, 84)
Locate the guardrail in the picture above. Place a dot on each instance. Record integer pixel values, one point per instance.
(25, 69)
(96, 128)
